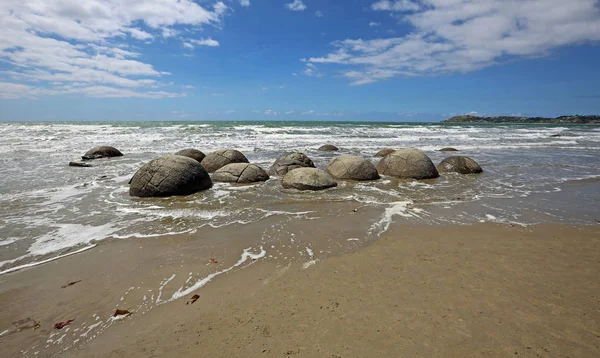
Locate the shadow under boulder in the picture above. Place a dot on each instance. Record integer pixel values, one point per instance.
(171, 175)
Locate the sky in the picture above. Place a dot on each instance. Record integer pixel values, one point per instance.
(396, 60)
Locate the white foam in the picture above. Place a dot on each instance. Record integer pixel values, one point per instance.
(246, 255)
(17, 268)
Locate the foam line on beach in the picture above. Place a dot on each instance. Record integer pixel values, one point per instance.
(246, 255)
(21, 267)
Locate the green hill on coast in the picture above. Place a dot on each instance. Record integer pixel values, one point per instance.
(576, 119)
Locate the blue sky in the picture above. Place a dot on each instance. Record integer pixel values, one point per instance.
(401, 60)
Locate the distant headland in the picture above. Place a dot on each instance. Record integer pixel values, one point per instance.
(576, 119)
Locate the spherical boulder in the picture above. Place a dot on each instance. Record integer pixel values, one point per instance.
(385, 151)
(328, 148)
(409, 163)
(102, 152)
(192, 153)
(449, 149)
(461, 165)
(171, 175)
(242, 173)
(353, 168)
(290, 161)
(308, 179)
(220, 158)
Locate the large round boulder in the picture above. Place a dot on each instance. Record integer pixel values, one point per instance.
(290, 161)
(169, 176)
(409, 163)
(102, 152)
(220, 158)
(328, 148)
(353, 168)
(242, 173)
(192, 153)
(461, 165)
(308, 179)
(385, 151)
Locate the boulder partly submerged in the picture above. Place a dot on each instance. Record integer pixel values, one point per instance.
(352, 167)
(220, 158)
(461, 165)
(328, 148)
(308, 179)
(80, 164)
(241, 173)
(290, 161)
(385, 151)
(102, 152)
(408, 163)
(171, 175)
(449, 149)
(192, 153)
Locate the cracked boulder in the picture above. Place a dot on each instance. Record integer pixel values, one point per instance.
(352, 167)
(409, 163)
(461, 165)
(308, 179)
(102, 152)
(192, 153)
(220, 158)
(171, 175)
(290, 161)
(385, 151)
(241, 173)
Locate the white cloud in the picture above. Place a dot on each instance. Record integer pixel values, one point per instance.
(139, 34)
(319, 14)
(297, 5)
(218, 94)
(245, 3)
(456, 36)
(308, 113)
(269, 112)
(311, 70)
(397, 5)
(206, 42)
(374, 24)
(49, 45)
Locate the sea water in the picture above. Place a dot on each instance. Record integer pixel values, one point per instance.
(48, 209)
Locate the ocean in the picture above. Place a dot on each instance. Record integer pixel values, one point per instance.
(49, 210)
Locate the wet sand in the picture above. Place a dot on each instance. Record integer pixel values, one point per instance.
(446, 291)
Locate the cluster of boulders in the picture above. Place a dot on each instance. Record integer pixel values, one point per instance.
(187, 171)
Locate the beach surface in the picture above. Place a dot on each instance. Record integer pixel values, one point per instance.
(429, 291)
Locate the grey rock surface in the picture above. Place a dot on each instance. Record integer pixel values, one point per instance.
(171, 175)
(308, 179)
(353, 168)
(408, 163)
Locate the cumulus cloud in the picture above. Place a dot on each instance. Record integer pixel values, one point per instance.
(297, 5)
(206, 42)
(51, 45)
(397, 5)
(456, 36)
(245, 3)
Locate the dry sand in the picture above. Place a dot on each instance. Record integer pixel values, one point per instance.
(459, 291)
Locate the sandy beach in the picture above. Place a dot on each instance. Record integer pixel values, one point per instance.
(448, 291)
